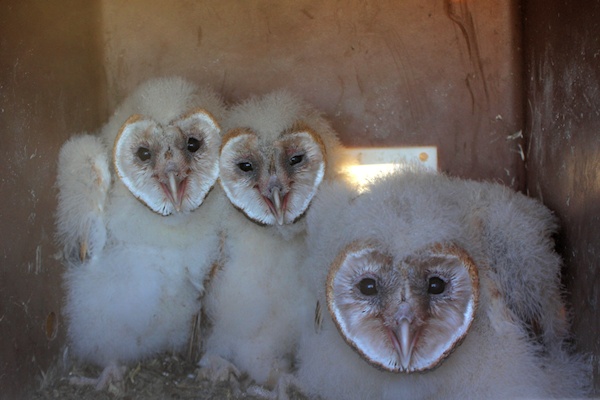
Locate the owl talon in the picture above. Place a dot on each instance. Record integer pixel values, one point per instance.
(112, 374)
(217, 369)
(280, 392)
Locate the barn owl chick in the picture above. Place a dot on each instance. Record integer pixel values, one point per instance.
(410, 306)
(275, 153)
(137, 290)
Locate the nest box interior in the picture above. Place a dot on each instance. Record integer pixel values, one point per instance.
(507, 91)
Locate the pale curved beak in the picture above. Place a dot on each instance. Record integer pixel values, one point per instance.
(174, 189)
(174, 192)
(278, 209)
(407, 343)
(405, 335)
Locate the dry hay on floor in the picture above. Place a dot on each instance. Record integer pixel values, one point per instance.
(165, 377)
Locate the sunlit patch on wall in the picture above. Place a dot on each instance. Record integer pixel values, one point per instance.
(373, 161)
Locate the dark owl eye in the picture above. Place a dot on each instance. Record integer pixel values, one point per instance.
(296, 159)
(193, 145)
(143, 153)
(245, 166)
(368, 286)
(436, 285)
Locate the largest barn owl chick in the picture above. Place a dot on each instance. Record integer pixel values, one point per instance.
(140, 237)
(415, 305)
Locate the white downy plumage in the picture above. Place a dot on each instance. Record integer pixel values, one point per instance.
(404, 213)
(134, 276)
(275, 152)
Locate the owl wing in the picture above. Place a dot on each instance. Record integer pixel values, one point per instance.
(515, 233)
(83, 181)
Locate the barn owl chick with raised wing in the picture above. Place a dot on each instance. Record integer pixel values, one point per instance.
(276, 151)
(410, 307)
(135, 290)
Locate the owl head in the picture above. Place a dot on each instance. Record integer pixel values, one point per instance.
(401, 284)
(274, 155)
(403, 314)
(170, 166)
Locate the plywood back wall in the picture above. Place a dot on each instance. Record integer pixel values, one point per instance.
(51, 86)
(387, 73)
(562, 54)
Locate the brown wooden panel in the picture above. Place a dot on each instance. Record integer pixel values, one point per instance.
(437, 72)
(50, 82)
(563, 125)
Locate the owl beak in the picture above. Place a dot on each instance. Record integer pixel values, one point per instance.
(277, 209)
(276, 204)
(174, 190)
(404, 335)
(275, 200)
(406, 343)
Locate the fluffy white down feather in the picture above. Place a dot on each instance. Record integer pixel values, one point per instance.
(138, 289)
(277, 111)
(498, 358)
(139, 296)
(164, 99)
(83, 179)
(256, 300)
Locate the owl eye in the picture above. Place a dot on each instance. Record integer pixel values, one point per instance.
(143, 153)
(193, 145)
(245, 166)
(296, 159)
(368, 286)
(436, 285)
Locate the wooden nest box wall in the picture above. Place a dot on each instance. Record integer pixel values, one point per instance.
(506, 90)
